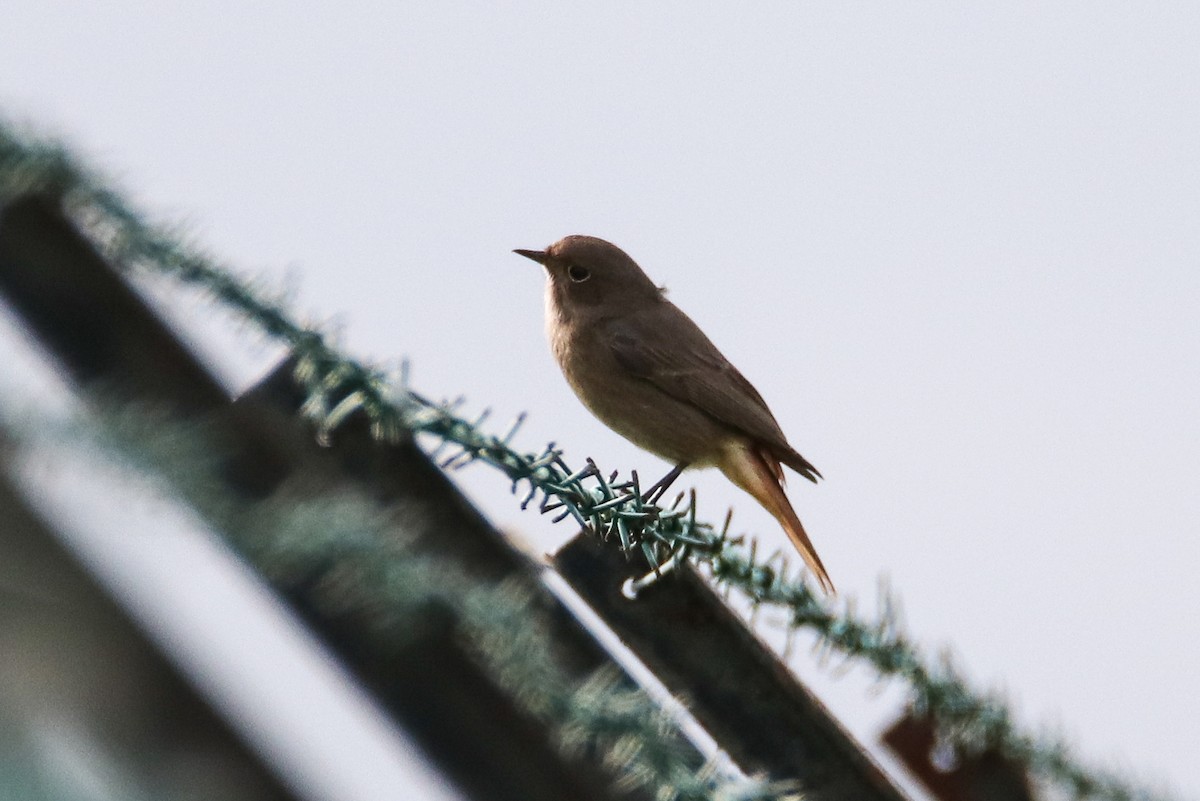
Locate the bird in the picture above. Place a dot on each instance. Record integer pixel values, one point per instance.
(647, 371)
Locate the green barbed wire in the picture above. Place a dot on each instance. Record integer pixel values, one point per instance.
(337, 386)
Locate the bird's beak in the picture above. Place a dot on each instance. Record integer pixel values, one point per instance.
(537, 255)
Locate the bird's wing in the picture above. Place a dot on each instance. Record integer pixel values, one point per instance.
(688, 367)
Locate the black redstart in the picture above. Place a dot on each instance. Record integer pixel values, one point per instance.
(648, 372)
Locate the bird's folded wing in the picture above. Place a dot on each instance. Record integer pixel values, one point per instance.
(688, 367)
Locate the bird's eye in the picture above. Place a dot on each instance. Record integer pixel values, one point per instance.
(578, 274)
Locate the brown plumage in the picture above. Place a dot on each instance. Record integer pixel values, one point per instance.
(647, 371)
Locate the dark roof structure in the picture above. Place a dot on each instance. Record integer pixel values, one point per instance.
(485, 743)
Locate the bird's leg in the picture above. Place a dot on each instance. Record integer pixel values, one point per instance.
(659, 487)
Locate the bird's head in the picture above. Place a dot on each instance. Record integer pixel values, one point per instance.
(584, 271)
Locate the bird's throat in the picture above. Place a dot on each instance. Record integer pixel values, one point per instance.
(556, 322)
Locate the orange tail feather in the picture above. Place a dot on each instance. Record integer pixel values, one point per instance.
(759, 473)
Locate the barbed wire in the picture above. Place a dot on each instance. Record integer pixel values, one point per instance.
(337, 386)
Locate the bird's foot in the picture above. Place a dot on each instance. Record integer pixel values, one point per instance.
(658, 488)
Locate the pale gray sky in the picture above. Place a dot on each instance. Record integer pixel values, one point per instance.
(955, 246)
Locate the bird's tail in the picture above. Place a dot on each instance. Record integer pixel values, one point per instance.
(759, 473)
